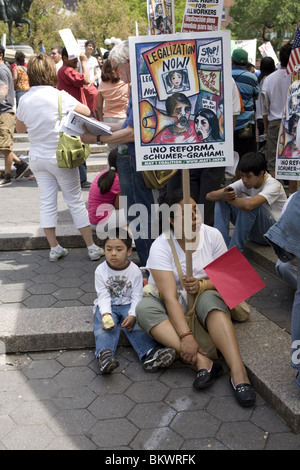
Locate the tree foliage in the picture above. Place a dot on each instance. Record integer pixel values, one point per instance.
(265, 20)
(93, 19)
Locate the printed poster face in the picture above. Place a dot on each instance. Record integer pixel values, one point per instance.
(161, 16)
(288, 155)
(182, 100)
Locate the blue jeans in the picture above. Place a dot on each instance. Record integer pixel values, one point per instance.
(83, 173)
(295, 362)
(109, 339)
(249, 225)
(133, 188)
(288, 272)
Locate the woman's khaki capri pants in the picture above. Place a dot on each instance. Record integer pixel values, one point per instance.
(151, 311)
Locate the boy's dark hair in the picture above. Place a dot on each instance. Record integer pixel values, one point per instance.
(64, 52)
(90, 41)
(2, 50)
(120, 234)
(284, 54)
(254, 162)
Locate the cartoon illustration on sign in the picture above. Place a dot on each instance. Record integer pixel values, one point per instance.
(181, 94)
(288, 159)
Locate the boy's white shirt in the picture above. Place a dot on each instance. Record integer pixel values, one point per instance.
(272, 190)
(118, 287)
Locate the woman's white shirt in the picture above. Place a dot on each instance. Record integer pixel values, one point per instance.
(211, 245)
(38, 109)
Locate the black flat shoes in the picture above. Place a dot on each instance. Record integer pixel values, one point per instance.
(205, 378)
(244, 393)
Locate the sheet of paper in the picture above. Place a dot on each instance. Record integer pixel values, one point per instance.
(70, 43)
(72, 125)
(234, 277)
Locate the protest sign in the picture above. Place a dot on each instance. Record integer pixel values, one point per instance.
(234, 277)
(288, 154)
(183, 86)
(248, 45)
(266, 50)
(202, 16)
(161, 18)
(70, 43)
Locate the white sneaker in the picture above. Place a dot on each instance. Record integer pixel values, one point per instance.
(55, 256)
(95, 253)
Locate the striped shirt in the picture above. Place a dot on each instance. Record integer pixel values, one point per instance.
(249, 90)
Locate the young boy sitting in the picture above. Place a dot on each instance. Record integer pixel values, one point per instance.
(119, 284)
(252, 204)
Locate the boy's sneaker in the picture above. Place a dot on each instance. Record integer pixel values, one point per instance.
(159, 358)
(4, 179)
(21, 167)
(95, 253)
(56, 255)
(107, 362)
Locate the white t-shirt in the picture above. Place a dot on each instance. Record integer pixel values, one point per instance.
(211, 246)
(272, 190)
(275, 88)
(118, 287)
(91, 64)
(38, 109)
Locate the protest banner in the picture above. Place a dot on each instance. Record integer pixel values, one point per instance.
(248, 45)
(288, 154)
(266, 50)
(202, 16)
(182, 87)
(161, 18)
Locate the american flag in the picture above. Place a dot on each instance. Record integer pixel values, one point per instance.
(294, 60)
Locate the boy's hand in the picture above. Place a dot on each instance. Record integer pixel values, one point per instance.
(129, 322)
(107, 321)
(229, 194)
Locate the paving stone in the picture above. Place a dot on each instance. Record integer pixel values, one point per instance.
(117, 432)
(189, 424)
(242, 436)
(112, 406)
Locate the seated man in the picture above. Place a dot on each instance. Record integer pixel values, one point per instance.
(252, 204)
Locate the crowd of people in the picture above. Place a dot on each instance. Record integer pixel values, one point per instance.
(155, 319)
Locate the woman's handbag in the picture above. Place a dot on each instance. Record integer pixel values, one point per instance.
(156, 179)
(71, 151)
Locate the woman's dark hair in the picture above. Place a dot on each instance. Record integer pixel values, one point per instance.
(106, 180)
(107, 73)
(254, 162)
(213, 122)
(119, 233)
(293, 120)
(20, 58)
(267, 66)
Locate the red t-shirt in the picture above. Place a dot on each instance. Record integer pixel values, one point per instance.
(71, 81)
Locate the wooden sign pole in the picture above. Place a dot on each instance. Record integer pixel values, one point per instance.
(188, 253)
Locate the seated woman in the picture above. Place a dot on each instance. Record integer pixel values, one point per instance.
(165, 319)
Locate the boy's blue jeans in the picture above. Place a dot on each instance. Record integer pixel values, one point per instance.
(248, 225)
(109, 339)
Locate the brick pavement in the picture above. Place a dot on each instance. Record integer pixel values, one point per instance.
(55, 399)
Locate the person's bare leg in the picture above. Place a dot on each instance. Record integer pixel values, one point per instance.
(221, 331)
(9, 158)
(86, 233)
(51, 236)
